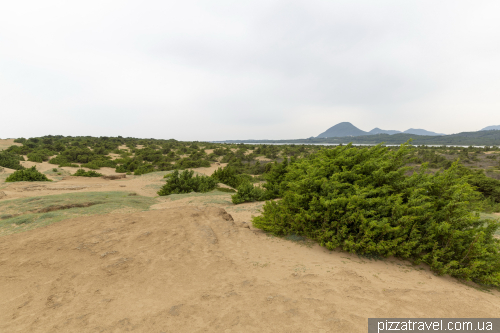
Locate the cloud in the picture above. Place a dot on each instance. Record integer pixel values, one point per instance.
(196, 70)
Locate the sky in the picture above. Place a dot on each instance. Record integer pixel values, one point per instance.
(224, 70)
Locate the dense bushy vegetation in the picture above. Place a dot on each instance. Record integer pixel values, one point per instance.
(90, 173)
(27, 175)
(229, 177)
(185, 182)
(249, 193)
(415, 202)
(10, 160)
(361, 201)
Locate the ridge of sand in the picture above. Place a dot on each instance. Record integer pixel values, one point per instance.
(186, 269)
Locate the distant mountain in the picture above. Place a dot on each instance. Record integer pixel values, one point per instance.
(489, 128)
(347, 129)
(341, 130)
(418, 131)
(377, 130)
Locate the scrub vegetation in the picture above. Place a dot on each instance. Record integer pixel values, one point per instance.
(27, 175)
(433, 205)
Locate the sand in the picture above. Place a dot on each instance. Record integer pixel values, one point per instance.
(186, 269)
(194, 263)
(6, 143)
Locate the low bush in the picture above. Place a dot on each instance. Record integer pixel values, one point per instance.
(360, 200)
(187, 163)
(229, 176)
(143, 169)
(100, 163)
(10, 160)
(226, 176)
(489, 187)
(83, 173)
(248, 193)
(27, 175)
(186, 183)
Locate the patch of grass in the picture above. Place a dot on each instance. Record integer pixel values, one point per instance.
(225, 189)
(159, 175)
(30, 213)
(370, 256)
(211, 194)
(300, 240)
(57, 174)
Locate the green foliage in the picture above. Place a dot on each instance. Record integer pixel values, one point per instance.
(83, 173)
(143, 169)
(186, 183)
(129, 165)
(99, 163)
(359, 199)
(226, 176)
(10, 160)
(248, 193)
(435, 160)
(489, 187)
(27, 175)
(188, 163)
(275, 179)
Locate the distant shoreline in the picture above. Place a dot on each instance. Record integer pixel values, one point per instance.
(465, 139)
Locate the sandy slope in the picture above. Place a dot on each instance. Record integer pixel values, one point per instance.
(186, 269)
(6, 143)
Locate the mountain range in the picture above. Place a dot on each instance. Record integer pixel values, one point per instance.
(490, 128)
(347, 129)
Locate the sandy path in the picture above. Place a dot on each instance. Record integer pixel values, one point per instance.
(193, 270)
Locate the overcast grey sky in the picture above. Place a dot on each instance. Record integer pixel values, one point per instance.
(213, 70)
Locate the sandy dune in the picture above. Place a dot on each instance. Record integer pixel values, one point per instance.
(189, 266)
(6, 143)
(186, 269)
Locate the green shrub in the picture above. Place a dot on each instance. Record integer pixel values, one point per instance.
(59, 159)
(226, 176)
(83, 173)
(188, 163)
(275, 179)
(489, 187)
(361, 201)
(27, 175)
(10, 160)
(186, 183)
(34, 157)
(129, 165)
(248, 193)
(100, 163)
(230, 177)
(143, 169)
